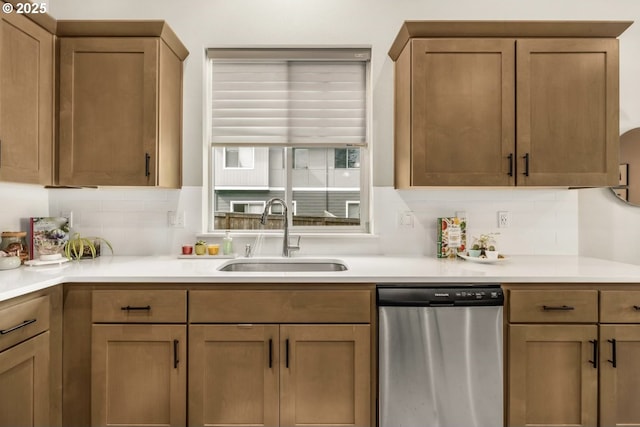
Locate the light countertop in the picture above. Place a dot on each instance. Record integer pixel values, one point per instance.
(361, 269)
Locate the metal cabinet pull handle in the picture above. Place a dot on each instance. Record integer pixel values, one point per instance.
(613, 359)
(175, 354)
(0, 152)
(510, 157)
(136, 308)
(595, 354)
(526, 164)
(557, 308)
(15, 328)
(147, 157)
(286, 346)
(270, 353)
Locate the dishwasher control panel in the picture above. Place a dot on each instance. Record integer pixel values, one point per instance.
(423, 296)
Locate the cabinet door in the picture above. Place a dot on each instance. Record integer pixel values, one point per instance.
(26, 101)
(619, 383)
(552, 379)
(24, 383)
(567, 112)
(233, 375)
(108, 111)
(463, 118)
(138, 375)
(325, 375)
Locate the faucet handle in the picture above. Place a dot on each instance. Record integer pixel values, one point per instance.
(247, 250)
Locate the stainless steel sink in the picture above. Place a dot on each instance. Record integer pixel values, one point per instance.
(283, 265)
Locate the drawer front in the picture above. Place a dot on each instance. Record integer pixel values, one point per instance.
(139, 306)
(280, 306)
(620, 306)
(23, 321)
(563, 306)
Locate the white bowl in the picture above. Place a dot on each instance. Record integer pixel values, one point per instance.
(9, 262)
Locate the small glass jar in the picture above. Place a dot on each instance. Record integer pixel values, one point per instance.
(15, 243)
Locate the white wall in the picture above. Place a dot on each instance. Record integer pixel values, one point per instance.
(544, 221)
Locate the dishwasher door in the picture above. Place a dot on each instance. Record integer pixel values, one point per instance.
(440, 362)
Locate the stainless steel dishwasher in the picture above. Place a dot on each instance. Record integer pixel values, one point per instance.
(440, 356)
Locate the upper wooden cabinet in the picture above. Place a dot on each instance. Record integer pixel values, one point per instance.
(120, 104)
(26, 99)
(506, 103)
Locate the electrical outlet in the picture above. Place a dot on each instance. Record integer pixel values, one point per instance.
(175, 219)
(405, 219)
(504, 219)
(68, 214)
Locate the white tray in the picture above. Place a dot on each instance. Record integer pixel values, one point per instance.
(39, 262)
(194, 256)
(483, 260)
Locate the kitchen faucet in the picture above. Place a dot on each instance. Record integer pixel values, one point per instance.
(286, 248)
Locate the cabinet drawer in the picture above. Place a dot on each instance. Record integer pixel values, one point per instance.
(23, 321)
(579, 306)
(139, 306)
(620, 307)
(280, 306)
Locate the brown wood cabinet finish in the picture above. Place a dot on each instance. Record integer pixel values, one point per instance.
(26, 100)
(551, 381)
(120, 107)
(280, 306)
(564, 373)
(234, 375)
(139, 375)
(279, 375)
(553, 306)
(25, 383)
(620, 344)
(501, 110)
(137, 306)
(31, 359)
(325, 377)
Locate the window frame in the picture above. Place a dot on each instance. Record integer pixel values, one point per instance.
(365, 202)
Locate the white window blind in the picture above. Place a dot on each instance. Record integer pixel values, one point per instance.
(288, 97)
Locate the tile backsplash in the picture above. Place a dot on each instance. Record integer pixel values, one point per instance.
(543, 221)
(18, 202)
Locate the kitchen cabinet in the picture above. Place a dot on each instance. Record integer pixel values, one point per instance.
(619, 357)
(26, 98)
(506, 103)
(138, 358)
(29, 361)
(552, 370)
(572, 356)
(285, 374)
(120, 107)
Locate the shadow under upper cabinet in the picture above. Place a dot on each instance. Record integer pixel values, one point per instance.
(628, 189)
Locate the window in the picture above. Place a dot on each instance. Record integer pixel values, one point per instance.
(289, 123)
(347, 158)
(247, 207)
(238, 157)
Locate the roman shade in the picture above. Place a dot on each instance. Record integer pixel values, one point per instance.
(288, 97)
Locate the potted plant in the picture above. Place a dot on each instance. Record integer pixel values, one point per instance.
(485, 243)
(79, 247)
(201, 247)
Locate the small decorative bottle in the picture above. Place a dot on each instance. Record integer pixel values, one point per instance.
(227, 244)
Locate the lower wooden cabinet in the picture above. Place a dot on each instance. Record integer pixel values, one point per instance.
(279, 375)
(553, 375)
(25, 383)
(561, 372)
(138, 375)
(619, 375)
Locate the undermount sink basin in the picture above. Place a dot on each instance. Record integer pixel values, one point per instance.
(283, 265)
